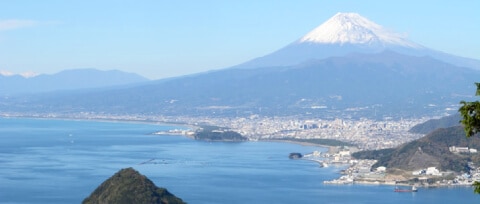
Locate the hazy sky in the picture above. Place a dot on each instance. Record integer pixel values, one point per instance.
(164, 38)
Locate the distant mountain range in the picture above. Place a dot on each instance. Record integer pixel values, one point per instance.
(66, 80)
(382, 84)
(347, 67)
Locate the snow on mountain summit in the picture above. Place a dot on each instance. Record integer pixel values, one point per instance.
(355, 29)
(29, 74)
(6, 73)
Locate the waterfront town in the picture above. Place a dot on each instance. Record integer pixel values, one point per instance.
(361, 171)
(366, 134)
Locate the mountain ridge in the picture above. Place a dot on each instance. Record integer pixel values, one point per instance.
(346, 80)
(401, 84)
(347, 33)
(433, 124)
(67, 80)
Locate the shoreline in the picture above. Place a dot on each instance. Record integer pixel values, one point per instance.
(403, 185)
(297, 142)
(305, 142)
(302, 143)
(373, 183)
(157, 122)
(112, 120)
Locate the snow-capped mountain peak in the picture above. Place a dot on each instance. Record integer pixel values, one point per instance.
(354, 29)
(6, 73)
(24, 75)
(29, 74)
(347, 33)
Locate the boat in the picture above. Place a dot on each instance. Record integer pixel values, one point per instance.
(413, 189)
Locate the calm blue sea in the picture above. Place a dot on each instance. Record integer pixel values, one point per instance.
(61, 161)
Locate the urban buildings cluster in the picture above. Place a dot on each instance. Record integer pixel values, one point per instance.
(365, 133)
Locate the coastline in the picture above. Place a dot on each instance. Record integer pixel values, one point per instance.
(352, 175)
(404, 184)
(297, 142)
(112, 120)
(372, 177)
(302, 143)
(305, 142)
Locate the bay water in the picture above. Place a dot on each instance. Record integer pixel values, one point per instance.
(63, 161)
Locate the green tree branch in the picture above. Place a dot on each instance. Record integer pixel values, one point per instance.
(471, 123)
(469, 112)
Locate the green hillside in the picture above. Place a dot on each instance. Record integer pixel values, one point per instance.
(128, 186)
(219, 135)
(431, 150)
(433, 124)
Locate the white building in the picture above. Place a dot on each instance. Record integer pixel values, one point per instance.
(455, 149)
(344, 153)
(433, 171)
(381, 169)
(458, 149)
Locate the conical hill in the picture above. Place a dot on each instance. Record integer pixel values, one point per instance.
(129, 186)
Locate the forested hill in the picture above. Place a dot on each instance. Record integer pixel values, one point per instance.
(219, 135)
(431, 150)
(430, 125)
(129, 186)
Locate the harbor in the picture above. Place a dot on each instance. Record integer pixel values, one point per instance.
(362, 171)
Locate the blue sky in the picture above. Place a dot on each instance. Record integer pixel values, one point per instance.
(165, 38)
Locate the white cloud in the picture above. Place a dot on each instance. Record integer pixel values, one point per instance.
(12, 24)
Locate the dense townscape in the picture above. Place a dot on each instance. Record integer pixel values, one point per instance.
(365, 133)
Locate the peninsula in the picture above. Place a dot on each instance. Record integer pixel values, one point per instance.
(444, 157)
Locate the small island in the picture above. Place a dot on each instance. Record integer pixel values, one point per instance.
(295, 155)
(218, 134)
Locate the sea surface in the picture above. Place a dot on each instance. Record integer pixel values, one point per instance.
(63, 161)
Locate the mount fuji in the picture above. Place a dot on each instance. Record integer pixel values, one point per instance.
(346, 67)
(347, 33)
